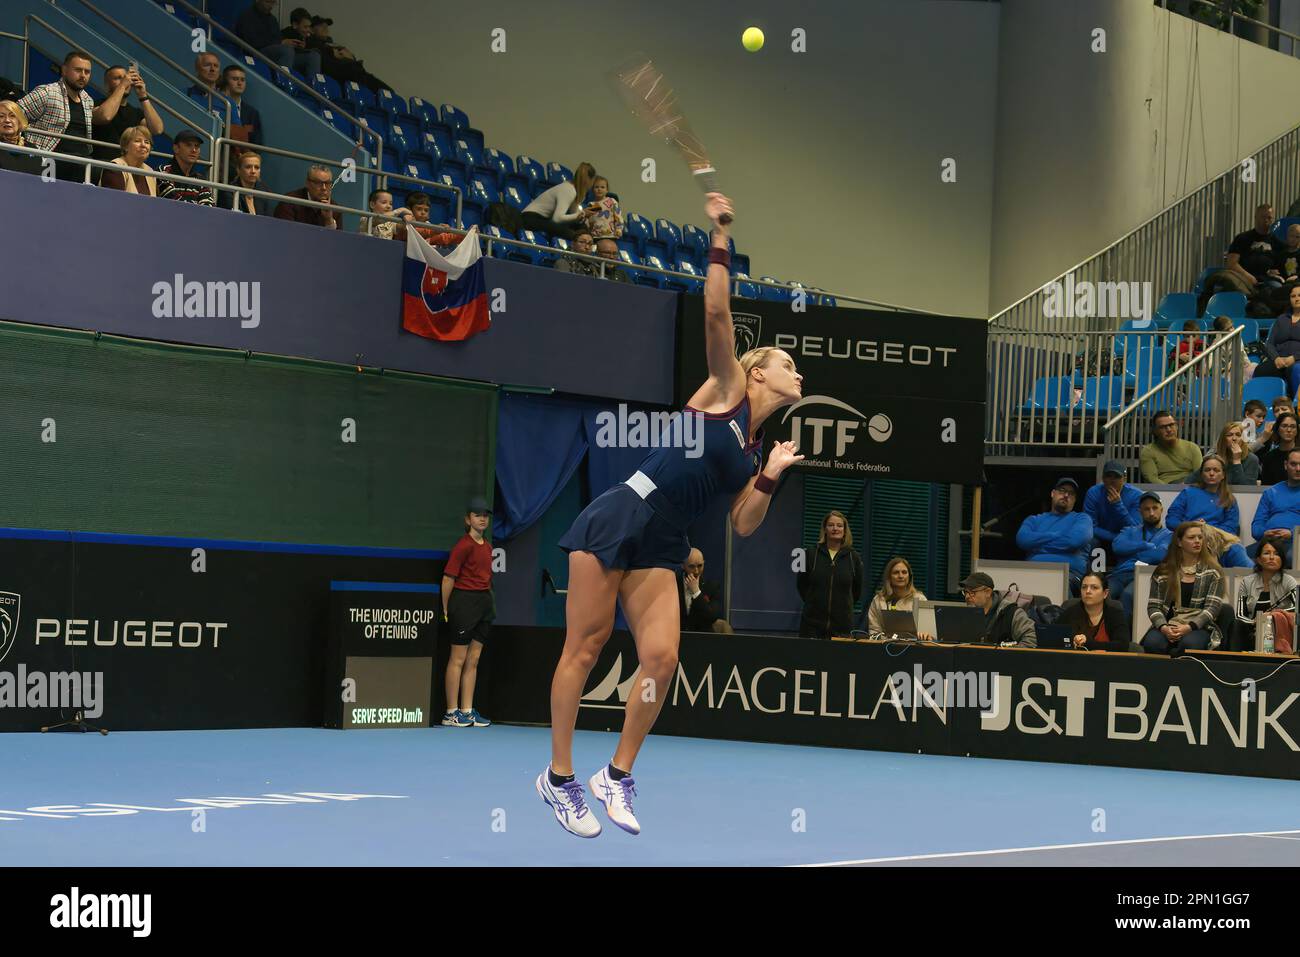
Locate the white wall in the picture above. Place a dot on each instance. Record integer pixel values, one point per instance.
(1090, 145)
(832, 156)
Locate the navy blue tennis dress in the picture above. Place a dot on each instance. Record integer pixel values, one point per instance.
(642, 522)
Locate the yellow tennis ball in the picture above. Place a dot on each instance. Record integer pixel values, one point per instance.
(752, 39)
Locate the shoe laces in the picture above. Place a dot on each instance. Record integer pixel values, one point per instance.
(627, 788)
(577, 800)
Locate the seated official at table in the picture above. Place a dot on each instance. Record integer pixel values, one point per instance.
(1005, 622)
(1094, 617)
(897, 593)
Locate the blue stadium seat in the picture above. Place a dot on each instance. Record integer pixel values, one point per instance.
(390, 102)
(771, 293)
(679, 284)
(467, 154)
(253, 65)
(429, 146)
(557, 173)
(630, 247)
(559, 242)
(482, 192)
(419, 167)
(454, 117)
(1199, 286)
(359, 96)
(425, 111)
(1280, 227)
(376, 119)
(697, 240)
(336, 120)
(740, 263)
(654, 247)
(746, 289)
(1050, 394)
(443, 135)
(391, 164)
(669, 233)
(401, 140)
(458, 168)
(471, 216)
(326, 86)
(513, 198)
(453, 178)
(1104, 395)
(637, 228)
(652, 278)
(497, 250)
(500, 163)
(1178, 305)
(471, 136)
(1226, 304)
(531, 170)
(1265, 389)
(522, 254)
(1249, 329)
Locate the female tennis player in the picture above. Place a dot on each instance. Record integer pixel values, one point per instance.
(627, 544)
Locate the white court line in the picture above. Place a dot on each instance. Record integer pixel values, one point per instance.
(1277, 837)
(1044, 847)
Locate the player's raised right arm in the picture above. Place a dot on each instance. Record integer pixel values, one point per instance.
(719, 338)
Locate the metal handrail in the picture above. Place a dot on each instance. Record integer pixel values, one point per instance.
(94, 59)
(146, 45)
(116, 146)
(227, 142)
(1202, 359)
(1242, 16)
(306, 87)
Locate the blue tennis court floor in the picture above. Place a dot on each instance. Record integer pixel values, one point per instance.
(443, 796)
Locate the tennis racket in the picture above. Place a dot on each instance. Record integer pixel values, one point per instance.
(645, 91)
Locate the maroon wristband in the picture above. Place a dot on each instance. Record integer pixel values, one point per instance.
(764, 484)
(720, 256)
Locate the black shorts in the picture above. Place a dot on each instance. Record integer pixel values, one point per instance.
(623, 531)
(469, 616)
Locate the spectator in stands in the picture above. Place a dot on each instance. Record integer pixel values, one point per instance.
(320, 183)
(207, 68)
(248, 175)
(608, 249)
(1209, 498)
(63, 107)
(1112, 505)
(1189, 347)
(419, 205)
(581, 267)
(12, 124)
(1265, 436)
(1278, 512)
(1269, 589)
(1061, 534)
(897, 593)
(1224, 324)
(1005, 622)
(1288, 256)
(1187, 591)
(258, 27)
(1095, 618)
(1243, 464)
(831, 582)
(381, 202)
(1252, 253)
(1284, 344)
(603, 216)
(1254, 415)
(115, 115)
(556, 211)
(186, 147)
(136, 177)
(1147, 543)
(1272, 462)
(1167, 459)
(698, 600)
(338, 61)
(245, 121)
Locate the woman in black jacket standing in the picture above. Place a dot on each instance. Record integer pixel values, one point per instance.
(831, 582)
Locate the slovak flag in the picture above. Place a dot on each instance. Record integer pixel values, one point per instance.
(444, 297)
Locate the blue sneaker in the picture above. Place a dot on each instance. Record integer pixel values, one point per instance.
(457, 719)
(476, 719)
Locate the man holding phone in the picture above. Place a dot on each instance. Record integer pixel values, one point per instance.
(115, 115)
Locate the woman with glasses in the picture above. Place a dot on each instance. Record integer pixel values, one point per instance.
(1272, 463)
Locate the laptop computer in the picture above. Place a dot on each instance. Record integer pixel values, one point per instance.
(1056, 637)
(901, 624)
(959, 624)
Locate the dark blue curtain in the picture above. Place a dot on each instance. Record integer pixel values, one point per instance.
(540, 443)
(606, 467)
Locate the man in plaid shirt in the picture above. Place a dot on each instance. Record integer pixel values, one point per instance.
(62, 107)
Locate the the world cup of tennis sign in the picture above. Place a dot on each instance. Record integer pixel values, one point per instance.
(885, 394)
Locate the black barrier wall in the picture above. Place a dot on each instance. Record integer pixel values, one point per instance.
(187, 634)
(1080, 707)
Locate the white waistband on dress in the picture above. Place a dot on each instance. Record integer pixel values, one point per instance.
(641, 484)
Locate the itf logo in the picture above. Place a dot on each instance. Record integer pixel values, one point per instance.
(11, 604)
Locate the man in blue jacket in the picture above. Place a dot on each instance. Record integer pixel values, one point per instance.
(1278, 512)
(1146, 542)
(1112, 505)
(1061, 535)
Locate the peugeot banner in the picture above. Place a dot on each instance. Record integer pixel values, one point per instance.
(893, 395)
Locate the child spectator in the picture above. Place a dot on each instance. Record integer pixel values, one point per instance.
(381, 201)
(468, 609)
(604, 218)
(1189, 347)
(1253, 424)
(418, 212)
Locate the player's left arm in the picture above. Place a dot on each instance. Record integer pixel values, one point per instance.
(749, 507)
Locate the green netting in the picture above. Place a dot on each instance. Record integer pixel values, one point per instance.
(170, 440)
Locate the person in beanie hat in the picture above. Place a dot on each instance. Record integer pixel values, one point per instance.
(1061, 535)
(1112, 504)
(468, 609)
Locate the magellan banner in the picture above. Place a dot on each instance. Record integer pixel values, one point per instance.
(176, 633)
(1225, 714)
(885, 394)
